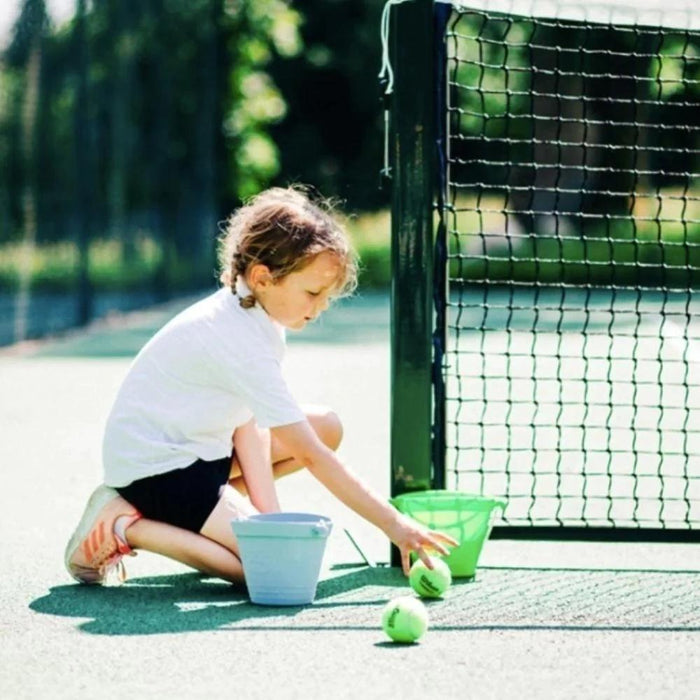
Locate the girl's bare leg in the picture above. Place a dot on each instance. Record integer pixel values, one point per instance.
(233, 503)
(187, 547)
(327, 426)
(214, 550)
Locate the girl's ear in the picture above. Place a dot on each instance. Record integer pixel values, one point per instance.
(259, 276)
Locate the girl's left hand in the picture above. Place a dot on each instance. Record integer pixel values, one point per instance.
(410, 536)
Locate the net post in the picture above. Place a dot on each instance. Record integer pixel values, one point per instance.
(413, 173)
(440, 286)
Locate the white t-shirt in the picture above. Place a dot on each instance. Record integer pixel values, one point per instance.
(206, 372)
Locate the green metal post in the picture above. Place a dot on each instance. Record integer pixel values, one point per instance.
(413, 161)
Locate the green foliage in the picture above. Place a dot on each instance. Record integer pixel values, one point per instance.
(192, 105)
(652, 245)
(265, 28)
(54, 266)
(488, 68)
(171, 128)
(674, 66)
(370, 234)
(332, 134)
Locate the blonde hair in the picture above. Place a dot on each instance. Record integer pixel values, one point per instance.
(283, 229)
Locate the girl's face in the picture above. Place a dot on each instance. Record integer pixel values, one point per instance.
(300, 296)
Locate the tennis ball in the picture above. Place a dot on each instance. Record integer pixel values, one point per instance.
(405, 619)
(430, 583)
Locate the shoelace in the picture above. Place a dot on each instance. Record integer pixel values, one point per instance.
(113, 571)
(110, 566)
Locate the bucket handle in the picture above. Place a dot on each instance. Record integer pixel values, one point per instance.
(495, 503)
(320, 529)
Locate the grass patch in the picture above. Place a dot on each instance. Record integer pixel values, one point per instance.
(371, 236)
(657, 243)
(55, 267)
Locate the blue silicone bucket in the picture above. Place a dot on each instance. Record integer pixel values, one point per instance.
(282, 555)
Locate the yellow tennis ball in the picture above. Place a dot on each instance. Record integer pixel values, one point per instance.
(430, 583)
(405, 619)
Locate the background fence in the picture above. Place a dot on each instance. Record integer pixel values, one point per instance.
(130, 129)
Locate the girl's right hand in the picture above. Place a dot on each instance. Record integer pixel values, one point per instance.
(410, 536)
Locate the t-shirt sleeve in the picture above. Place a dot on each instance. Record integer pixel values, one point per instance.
(258, 379)
(263, 387)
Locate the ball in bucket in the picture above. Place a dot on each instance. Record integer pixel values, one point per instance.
(405, 619)
(430, 583)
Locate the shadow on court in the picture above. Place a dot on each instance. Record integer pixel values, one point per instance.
(192, 602)
(526, 621)
(508, 599)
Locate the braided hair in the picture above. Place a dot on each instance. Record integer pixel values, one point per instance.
(283, 229)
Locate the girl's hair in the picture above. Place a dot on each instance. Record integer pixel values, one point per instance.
(283, 229)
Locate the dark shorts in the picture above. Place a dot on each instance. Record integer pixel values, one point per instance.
(182, 497)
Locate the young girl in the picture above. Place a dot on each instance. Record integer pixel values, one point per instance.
(204, 422)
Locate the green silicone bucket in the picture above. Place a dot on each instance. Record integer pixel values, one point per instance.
(466, 517)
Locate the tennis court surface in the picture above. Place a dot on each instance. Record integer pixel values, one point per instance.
(544, 620)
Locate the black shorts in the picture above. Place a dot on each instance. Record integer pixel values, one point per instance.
(182, 497)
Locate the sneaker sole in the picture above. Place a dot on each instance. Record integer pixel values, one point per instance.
(100, 497)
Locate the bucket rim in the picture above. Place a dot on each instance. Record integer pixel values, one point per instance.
(286, 517)
(297, 526)
(446, 494)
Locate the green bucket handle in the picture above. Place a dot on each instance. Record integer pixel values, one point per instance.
(493, 502)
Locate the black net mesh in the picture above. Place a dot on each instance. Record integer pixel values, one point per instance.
(572, 219)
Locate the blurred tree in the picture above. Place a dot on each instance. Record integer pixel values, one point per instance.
(84, 162)
(332, 134)
(261, 33)
(121, 14)
(154, 118)
(207, 137)
(5, 104)
(572, 117)
(172, 135)
(25, 52)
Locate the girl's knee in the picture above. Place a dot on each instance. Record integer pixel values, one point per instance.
(328, 426)
(333, 430)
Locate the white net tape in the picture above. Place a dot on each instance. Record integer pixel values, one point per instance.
(679, 14)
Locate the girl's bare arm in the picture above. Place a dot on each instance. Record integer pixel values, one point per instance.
(251, 446)
(343, 483)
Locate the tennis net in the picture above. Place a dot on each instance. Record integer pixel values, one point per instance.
(569, 239)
